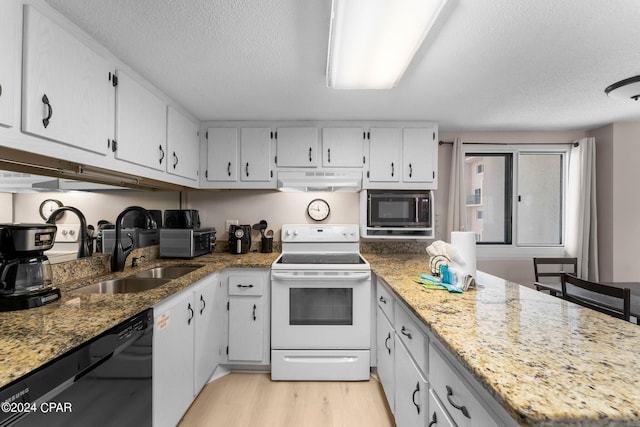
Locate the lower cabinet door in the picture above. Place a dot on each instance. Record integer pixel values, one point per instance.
(246, 326)
(207, 341)
(412, 390)
(438, 417)
(385, 344)
(173, 339)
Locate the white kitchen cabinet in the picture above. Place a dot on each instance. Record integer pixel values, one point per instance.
(457, 397)
(412, 390)
(384, 155)
(297, 147)
(9, 79)
(412, 337)
(173, 351)
(68, 93)
(255, 154)
(385, 356)
(342, 147)
(182, 145)
(185, 349)
(141, 124)
(222, 154)
(419, 155)
(402, 158)
(248, 317)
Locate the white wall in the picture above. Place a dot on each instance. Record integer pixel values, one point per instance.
(6, 207)
(276, 207)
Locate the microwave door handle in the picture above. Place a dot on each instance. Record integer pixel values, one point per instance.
(417, 209)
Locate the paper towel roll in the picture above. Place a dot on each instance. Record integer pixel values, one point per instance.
(464, 243)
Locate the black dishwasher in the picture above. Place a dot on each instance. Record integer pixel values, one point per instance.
(104, 382)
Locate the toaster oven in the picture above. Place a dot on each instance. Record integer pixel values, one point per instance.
(186, 243)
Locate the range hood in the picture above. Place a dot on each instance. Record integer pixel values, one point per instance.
(319, 181)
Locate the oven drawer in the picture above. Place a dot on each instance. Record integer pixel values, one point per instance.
(320, 365)
(240, 284)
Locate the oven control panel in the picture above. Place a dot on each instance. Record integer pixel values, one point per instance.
(320, 233)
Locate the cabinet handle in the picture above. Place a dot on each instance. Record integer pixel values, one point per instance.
(162, 154)
(383, 300)
(413, 397)
(309, 153)
(386, 341)
(0, 90)
(254, 312)
(190, 314)
(434, 420)
(245, 286)
(461, 408)
(406, 333)
(45, 101)
(328, 155)
(204, 304)
(229, 169)
(410, 170)
(393, 169)
(246, 168)
(175, 157)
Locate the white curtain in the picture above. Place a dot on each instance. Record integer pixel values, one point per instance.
(582, 218)
(457, 214)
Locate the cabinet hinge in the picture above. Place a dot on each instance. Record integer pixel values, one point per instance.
(434, 136)
(367, 174)
(114, 145)
(206, 135)
(434, 174)
(275, 159)
(227, 305)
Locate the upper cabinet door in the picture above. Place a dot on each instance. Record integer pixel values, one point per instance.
(419, 152)
(182, 145)
(141, 124)
(384, 154)
(297, 147)
(222, 154)
(255, 154)
(342, 147)
(8, 65)
(68, 94)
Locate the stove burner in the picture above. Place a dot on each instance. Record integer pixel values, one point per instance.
(321, 258)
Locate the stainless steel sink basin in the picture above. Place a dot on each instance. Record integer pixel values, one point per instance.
(125, 285)
(168, 272)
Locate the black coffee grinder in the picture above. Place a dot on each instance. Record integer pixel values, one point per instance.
(25, 272)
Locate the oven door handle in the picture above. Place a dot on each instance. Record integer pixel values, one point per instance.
(351, 277)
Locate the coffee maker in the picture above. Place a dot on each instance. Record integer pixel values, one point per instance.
(25, 271)
(239, 239)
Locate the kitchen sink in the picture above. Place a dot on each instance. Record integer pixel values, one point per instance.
(167, 272)
(125, 285)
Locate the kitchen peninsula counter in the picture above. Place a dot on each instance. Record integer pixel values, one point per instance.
(31, 338)
(546, 361)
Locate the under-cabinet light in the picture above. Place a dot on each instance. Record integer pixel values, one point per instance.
(372, 42)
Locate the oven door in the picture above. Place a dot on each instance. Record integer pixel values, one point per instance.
(320, 309)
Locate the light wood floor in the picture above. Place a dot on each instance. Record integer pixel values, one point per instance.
(252, 399)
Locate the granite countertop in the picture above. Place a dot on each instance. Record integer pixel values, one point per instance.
(545, 360)
(31, 338)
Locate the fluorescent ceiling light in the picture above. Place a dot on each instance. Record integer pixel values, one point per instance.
(372, 42)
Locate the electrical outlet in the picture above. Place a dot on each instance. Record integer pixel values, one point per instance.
(67, 233)
(228, 223)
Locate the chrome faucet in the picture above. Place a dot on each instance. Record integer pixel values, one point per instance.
(120, 254)
(83, 247)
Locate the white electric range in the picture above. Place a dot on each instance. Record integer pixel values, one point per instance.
(320, 305)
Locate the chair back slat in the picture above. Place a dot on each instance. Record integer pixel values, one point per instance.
(622, 308)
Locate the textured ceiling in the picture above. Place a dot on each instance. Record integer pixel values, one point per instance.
(488, 64)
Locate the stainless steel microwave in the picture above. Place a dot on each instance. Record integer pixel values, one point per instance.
(397, 213)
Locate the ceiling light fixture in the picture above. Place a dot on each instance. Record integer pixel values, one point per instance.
(372, 42)
(625, 89)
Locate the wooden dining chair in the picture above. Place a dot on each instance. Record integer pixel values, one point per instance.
(548, 272)
(606, 299)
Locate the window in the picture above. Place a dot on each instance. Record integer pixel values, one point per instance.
(518, 198)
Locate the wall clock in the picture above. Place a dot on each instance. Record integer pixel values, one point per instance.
(318, 209)
(48, 206)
